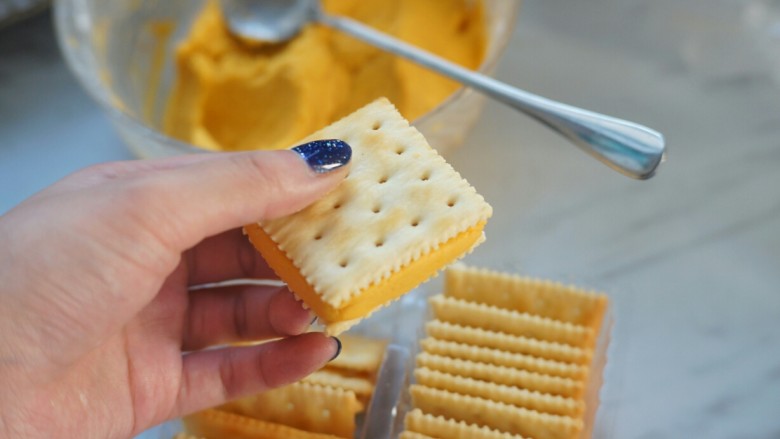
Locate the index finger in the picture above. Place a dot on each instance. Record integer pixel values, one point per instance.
(226, 256)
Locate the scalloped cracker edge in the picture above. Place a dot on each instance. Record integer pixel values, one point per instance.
(510, 343)
(502, 375)
(400, 201)
(304, 406)
(520, 397)
(218, 424)
(502, 358)
(545, 298)
(495, 415)
(439, 426)
(491, 318)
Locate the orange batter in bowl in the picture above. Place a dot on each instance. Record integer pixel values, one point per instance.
(230, 96)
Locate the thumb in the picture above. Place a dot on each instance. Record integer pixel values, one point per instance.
(204, 198)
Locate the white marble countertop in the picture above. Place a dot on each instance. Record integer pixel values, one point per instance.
(690, 258)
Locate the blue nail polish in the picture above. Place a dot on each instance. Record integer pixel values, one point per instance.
(325, 155)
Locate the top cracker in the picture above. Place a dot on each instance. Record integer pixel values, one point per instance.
(402, 214)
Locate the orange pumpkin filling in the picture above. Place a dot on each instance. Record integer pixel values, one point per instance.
(374, 295)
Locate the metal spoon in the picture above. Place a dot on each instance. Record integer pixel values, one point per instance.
(627, 147)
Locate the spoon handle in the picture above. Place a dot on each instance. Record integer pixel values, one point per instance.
(627, 147)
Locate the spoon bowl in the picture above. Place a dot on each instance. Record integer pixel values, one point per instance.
(627, 147)
(271, 21)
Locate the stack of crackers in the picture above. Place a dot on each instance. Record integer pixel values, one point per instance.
(505, 357)
(323, 405)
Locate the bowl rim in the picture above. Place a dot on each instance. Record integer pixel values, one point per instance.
(488, 65)
(100, 95)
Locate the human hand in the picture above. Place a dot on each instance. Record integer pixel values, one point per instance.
(95, 306)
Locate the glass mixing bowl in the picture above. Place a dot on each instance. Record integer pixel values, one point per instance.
(121, 51)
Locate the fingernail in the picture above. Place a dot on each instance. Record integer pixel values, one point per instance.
(325, 155)
(338, 348)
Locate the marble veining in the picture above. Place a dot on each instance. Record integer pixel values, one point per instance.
(689, 258)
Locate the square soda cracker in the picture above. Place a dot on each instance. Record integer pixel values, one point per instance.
(491, 318)
(438, 426)
(517, 396)
(522, 294)
(552, 385)
(503, 358)
(218, 424)
(506, 342)
(495, 415)
(401, 215)
(304, 406)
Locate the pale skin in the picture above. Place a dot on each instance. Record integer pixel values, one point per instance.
(100, 332)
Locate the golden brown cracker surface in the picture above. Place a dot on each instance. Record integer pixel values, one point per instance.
(439, 426)
(400, 203)
(506, 342)
(491, 318)
(495, 415)
(503, 358)
(303, 406)
(534, 296)
(502, 375)
(218, 424)
(517, 396)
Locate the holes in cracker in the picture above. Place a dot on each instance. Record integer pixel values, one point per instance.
(376, 209)
(337, 205)
(415, 222)
(426, 176)
(343, 263)
(377, 125)
(318, 236)
(379, 242)
(451, 202)
(400, 150)
(383, 179)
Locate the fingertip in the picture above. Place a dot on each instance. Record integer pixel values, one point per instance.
(231, 190)
(338, 344)
(324, 156)
(213, 377)
(291, 182)
(311, 352)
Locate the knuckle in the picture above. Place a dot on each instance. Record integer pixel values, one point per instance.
(263, 173)
(248, 260)
(228, 375)
(139, 192)
(240, 317)
(107, 170)
(97, 174)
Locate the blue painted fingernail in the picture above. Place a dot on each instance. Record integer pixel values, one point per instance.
(325, 155)
(338, 348)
